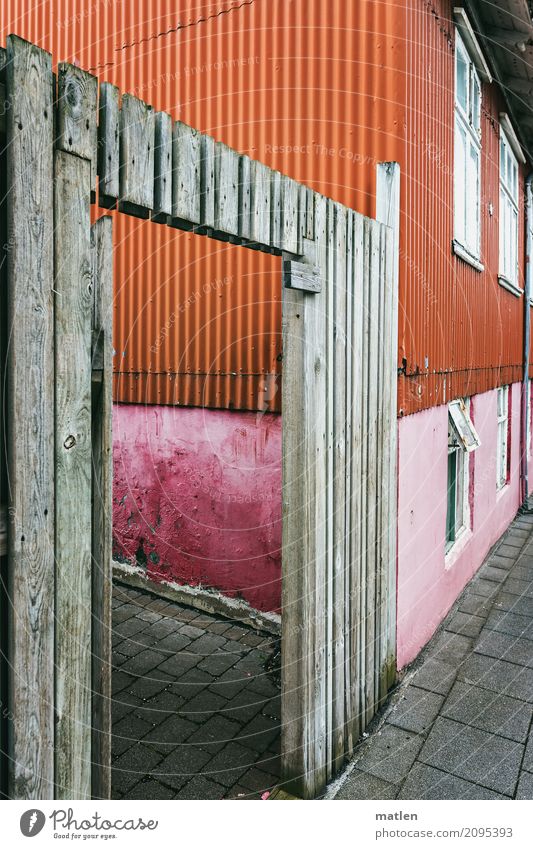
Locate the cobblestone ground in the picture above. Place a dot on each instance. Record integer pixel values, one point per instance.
(196, 715)
(461, 729)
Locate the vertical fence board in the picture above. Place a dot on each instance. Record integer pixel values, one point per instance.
(102, 503)
(260, 223)
(245, 196)
(73, 327)
(381, 589)
(347, 518)
(226, 192)
(291, 239)
(137, 131)
(207, 183)
(29, 81)
(108, 146)
(162, 168)
(329, 307)
(186, 176)
(76, 129)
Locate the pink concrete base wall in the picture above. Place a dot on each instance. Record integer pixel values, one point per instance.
(197, 498)
(429, 581)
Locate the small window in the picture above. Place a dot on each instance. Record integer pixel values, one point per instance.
(508, 211)
(462, 439)
(467, 165)
(502, 449)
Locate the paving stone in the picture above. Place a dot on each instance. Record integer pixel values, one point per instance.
(498, 675)
(219, 627)
(191, 683)
(217, 663)
(390, 753)
(269, 762)
(272, 708)
(206, 645)
(259, 732)
(160, 707)
(130, 627)
(236, 632)
(241, 793)
(480, 586)
(176, 665)
(425, 782)
(501, 562)
(528, 756)
(180, 766)
(131, 647)
(120, 708)
(254, 640)
(473, 754)
(489, 711)
(119, 745)
(525, 786)
(465, 624)
(120, 681)
(230, 763)
(491, 572)
(243, 706)
(131, 728)
(149, 616)
(191, 631)
(522, 573)
(519, 588)
(229, 684)
(172, 643)
(476, 604)
(435, 675)
(505, 647)
(168, 734)
(151, 790)
(163, 628)
(263, 685)
(363, 785)
(521, 605)
(450, 648)
(130, 767)
(258, 781)
(510, 623)
(202, 706)
(508, 550)
(214, 734)
(147, 687)
(201, 787)
(416, 710)
(144, 663)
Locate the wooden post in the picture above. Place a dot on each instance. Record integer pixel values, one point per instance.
(137, 141)
(102, 451)
(30, 370)
(73, 327)
(108, 146)
(76, 132)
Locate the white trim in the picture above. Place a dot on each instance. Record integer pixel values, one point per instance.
(472, 44)
(512, 138)
(506, 284)
(465, 255)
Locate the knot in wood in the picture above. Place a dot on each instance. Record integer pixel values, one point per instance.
(69, 442)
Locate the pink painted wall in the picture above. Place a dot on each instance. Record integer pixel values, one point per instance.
(429, 581)
(197, 498)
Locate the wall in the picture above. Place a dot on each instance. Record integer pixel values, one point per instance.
(197, 498)
(428, 581)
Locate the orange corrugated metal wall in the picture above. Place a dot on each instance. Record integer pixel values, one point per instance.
(322, 91)
(308, 87)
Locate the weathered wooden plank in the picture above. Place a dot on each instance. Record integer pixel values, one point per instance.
(339, 484)
(365, 327)
(290, 229)
(207, 183)
(162, 168)
(186, 177)
(108, 145)
(349, 489)
(380, 470)
(310, 213)
(76, 119)
(304, 545)
(245, 196)
(329, 307)
(260, 219)
(226, 192)
(30, 446)
(73, 329)
(388, 212)
(137, 130)
(301, 275)
(102, 453)
(276, 239)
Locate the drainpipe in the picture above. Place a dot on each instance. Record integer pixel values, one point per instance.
(527, 335)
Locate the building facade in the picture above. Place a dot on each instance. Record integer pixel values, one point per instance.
(322, 92)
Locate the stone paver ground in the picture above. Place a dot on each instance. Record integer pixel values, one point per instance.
(196, 714)
(460, 725)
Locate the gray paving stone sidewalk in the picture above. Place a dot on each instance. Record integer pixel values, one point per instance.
(459, 726)
(196, 713)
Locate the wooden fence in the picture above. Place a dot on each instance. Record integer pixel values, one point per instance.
(66, 142)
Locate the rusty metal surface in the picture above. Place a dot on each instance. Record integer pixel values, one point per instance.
(321, 91)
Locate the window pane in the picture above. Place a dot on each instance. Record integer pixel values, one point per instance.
(451, 506)
(461, 457)
(461, 77)
(473, 199)
(476, 103)
(460, 180)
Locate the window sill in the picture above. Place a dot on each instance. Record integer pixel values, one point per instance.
(466, 256)
(506, 284)
(501, 490)
(456, 549)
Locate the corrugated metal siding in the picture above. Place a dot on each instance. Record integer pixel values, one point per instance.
(321, 91)
(460, 332)
(260, 75)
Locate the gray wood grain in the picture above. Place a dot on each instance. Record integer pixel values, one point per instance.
(260, 217)
(207, 184)
(162, 168)
(108, 145)
(29, 81)
(186, 177)
(301, 275)
(137, 139)
(76, 115)
(226, 192)
(73, 330)
(102, 496)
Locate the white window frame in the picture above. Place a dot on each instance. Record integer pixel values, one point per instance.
(462, 449)
(509, 211)
(467, 150)
(502, 443)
